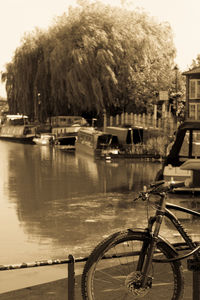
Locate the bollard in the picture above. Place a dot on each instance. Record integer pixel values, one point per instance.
(71, 278)
(194, 265)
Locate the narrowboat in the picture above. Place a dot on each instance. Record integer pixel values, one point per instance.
(96, 143)
(65, 130)
(182, 162)
(129, 138)
(17, 128)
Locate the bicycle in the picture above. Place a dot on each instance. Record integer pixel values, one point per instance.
(129, 264)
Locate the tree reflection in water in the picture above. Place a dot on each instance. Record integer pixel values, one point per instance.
(59, 203)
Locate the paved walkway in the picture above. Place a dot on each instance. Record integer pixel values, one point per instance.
(58, 290)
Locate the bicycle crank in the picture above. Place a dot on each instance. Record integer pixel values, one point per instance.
(133, 283)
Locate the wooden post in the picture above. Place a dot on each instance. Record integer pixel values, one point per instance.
(143, 120)
(131, 118)
(135, 119)
(122, 119)
(117, 120)
(148, 120)
(163, 110)
(139, 120)
(126, 118)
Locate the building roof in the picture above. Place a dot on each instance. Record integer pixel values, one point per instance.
(193, 71)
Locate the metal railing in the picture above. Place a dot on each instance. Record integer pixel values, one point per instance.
(192, 265)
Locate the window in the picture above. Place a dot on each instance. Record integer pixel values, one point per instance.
(196, 143)
(194, 89)
(184, 151)
(198, 89)
(194, 111)
(191, 145)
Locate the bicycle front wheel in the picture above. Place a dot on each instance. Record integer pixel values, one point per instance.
(111, 272)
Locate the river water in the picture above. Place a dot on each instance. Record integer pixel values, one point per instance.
(55, 203)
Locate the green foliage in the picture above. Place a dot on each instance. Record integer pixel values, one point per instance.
(95, 57)
(157, 145)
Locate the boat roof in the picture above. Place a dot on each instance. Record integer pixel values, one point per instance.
(67, 117)
(189, 125)
(13, 117)
(92, 131)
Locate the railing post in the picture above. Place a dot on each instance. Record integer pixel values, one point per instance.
(71, 278)
(194, 265)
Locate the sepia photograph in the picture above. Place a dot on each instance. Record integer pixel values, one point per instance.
(100, 150)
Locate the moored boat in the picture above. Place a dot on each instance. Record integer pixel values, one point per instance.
(183, 160)
(129, 138)
(44, 139)
(65, 129)
(17, 128)
(96, 143)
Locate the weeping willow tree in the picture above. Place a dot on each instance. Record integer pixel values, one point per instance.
(96, 57)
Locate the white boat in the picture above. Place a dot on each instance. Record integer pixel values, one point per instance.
(17, 128)
(183, 160)
(44, 139)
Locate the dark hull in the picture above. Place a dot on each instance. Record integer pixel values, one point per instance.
(70, 140)
(23, 140)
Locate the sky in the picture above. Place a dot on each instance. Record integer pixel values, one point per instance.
(20, 16)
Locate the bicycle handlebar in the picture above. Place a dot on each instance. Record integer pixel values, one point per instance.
(170, 185)
(159, 187)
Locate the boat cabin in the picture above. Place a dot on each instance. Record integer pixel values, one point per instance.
(126, 136)
(96, 142)
(65, 128)
(186, 147)
(17, 127)
(67, 121)
(16, 120)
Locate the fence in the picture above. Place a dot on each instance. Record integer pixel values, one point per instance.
(166, 123)
(193, 265)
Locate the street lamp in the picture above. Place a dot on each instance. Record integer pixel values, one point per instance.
(39, 107)
(176, 78)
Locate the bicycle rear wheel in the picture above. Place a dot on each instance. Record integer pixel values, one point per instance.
(110, 272)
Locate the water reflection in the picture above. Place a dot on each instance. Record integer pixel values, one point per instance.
(56, 203)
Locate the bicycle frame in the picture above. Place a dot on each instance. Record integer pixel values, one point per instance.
(163, 210)
(175, 221)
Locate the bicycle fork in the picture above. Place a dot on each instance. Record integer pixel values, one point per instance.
(148, 249)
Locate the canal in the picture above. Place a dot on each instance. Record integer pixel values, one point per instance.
(55, 203)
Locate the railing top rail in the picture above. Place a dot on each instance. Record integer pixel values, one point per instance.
(51, 262)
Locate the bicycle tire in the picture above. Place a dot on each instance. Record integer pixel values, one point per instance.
(106, 279)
